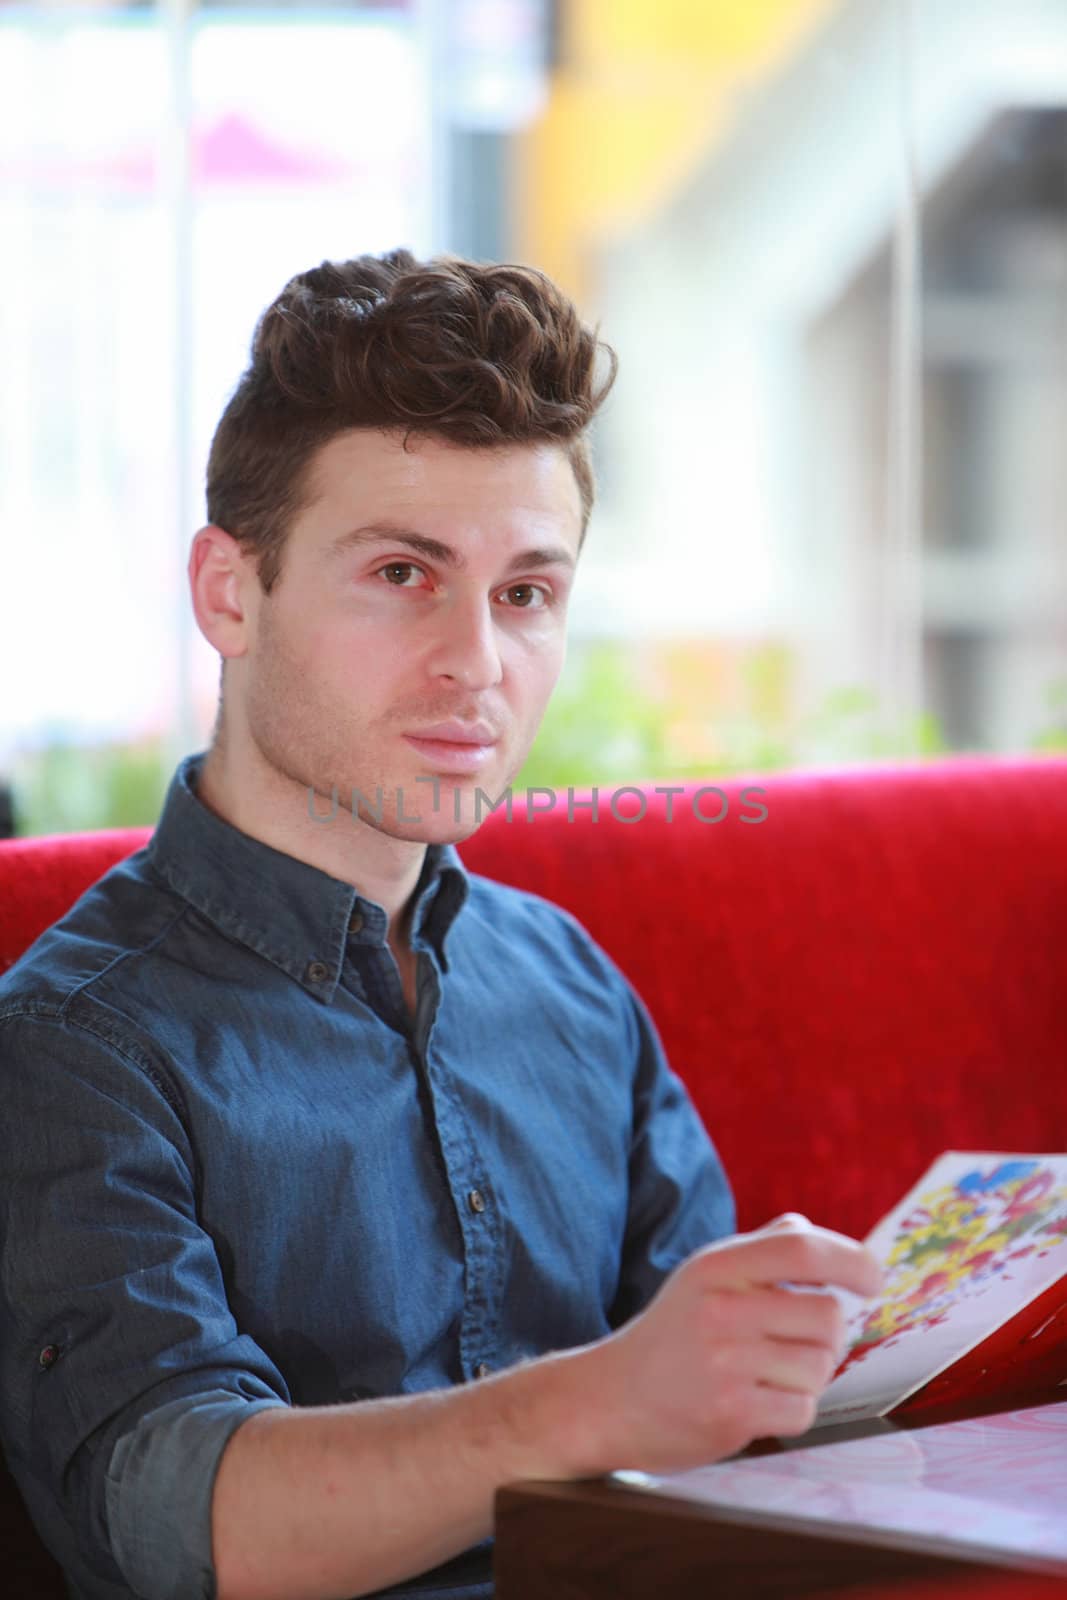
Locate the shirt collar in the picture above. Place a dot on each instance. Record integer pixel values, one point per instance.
(292, 913)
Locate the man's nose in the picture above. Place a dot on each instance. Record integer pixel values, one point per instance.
(466, 647)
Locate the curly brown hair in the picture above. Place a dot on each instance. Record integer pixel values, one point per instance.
(476, 354)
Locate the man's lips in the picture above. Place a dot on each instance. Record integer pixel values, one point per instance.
(451, 755)
(455, 732)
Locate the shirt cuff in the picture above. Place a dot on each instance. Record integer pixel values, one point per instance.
(160, 1482)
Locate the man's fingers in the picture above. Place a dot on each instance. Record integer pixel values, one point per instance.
(787, 1254)
(780, 1413)
(815, 1318)
(795, 1219)
(773, 1313)
(788, 1364)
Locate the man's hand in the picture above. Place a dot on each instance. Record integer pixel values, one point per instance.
(723, 1354)
(314, 1501)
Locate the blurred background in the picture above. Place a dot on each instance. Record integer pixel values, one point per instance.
(828, 239)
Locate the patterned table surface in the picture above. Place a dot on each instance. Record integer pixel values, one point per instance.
(997, 1483)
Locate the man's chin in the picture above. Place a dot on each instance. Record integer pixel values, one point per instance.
(443, 812)
(461, 811)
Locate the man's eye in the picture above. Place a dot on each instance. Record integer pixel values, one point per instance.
(402, 567)
(536, 598)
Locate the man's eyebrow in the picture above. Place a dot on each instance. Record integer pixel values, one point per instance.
(444, 554)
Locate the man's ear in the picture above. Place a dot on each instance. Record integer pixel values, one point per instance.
(219, 586)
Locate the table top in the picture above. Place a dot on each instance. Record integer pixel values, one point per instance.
(994, 1485)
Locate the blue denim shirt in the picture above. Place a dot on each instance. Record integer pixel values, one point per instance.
(234, 1173)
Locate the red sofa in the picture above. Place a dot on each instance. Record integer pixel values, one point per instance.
(874, 972)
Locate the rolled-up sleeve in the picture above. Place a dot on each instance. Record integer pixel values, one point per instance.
(679, 1194)
(122, 1371)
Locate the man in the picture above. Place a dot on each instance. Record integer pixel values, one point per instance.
(342, 1186)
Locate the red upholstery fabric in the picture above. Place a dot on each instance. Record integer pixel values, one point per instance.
(41, 878)
(873, 974)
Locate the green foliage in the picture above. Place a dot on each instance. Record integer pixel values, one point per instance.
(597, 724)
(601, 727)
(604, 725)
(64, 788)
(1054, 737)
(847, 725)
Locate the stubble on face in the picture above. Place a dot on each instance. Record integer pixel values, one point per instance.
(328, 749)
(313, 734)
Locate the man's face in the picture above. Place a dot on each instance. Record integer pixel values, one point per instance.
(422, 587)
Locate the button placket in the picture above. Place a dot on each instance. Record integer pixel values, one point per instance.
(478, 1330)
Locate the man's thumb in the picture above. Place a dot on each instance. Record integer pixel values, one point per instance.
(789, 1219)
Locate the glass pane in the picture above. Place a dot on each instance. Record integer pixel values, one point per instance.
(158, 187)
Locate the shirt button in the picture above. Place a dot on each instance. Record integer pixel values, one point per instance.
(481, 1370)
(317, 972)
(48, 1356)
(355, 922)
(476, 1200)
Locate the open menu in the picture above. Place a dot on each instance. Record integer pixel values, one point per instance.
(973, 1307)
(975, 1295)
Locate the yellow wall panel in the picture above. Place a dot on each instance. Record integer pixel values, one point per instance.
(645, 89)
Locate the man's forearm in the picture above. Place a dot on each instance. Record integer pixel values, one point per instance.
(327, 1502)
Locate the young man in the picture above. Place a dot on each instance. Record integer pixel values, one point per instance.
(342, 1186)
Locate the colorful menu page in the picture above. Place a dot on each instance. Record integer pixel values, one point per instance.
(975, 1259)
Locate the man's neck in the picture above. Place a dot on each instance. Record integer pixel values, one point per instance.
(245, 791)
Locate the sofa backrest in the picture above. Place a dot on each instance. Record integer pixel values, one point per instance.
(874, 972)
